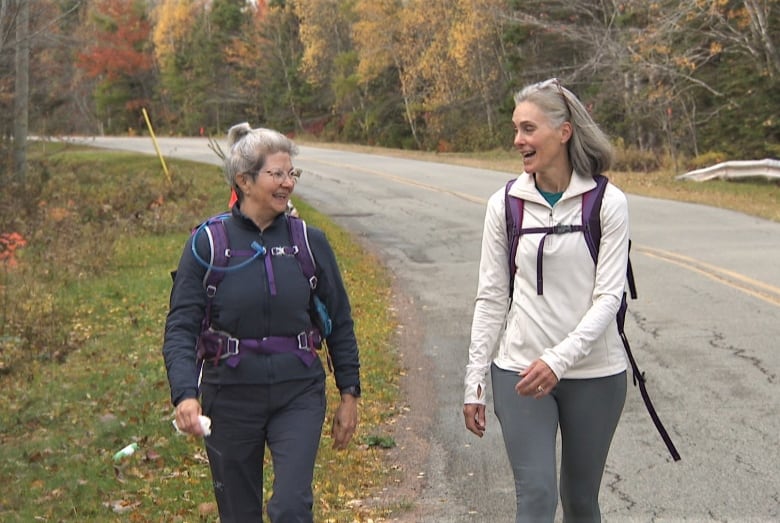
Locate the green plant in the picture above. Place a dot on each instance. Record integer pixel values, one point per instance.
(385, 442)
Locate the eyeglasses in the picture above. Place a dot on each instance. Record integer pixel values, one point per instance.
(280, 176)
(557, 84)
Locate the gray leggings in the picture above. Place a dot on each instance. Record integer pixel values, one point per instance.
(587, 412)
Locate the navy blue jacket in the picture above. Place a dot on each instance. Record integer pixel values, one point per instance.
(245, 307)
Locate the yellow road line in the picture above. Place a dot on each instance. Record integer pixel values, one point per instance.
(407, 181)
(757, 289)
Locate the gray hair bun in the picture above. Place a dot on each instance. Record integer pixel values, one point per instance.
(237, 132)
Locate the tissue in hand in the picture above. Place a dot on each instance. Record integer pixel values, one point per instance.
(205, 424)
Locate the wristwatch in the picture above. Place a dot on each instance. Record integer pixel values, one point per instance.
(352, 390)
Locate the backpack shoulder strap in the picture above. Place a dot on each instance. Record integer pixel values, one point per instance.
(591, 210)
(591, 215)
(591, 220)
(215, 231)
(513, 210)
(300, 238)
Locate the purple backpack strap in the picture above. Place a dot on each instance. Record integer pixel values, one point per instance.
(216, 233)
(513, 210)
(300, 238)
(591, 215)
(219, 257)
(219, 250)
(591, 227)
(591, 220)
(218, 243)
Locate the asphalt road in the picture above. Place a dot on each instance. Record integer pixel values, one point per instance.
(705, 331)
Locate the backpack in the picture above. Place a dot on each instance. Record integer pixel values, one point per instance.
(591, 229)
(215, 345)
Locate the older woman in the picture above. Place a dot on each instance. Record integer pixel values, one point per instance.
(268, 392)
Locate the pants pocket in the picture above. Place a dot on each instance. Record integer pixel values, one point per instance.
(208, 396)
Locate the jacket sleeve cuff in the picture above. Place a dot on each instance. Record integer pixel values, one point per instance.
(554, 364)
(472, 396)
(179, 395)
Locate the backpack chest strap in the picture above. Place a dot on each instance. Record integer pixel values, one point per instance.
(554, 229)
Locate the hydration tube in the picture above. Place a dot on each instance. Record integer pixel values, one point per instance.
(258, 249)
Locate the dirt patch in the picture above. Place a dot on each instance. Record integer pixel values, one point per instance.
(411, 428)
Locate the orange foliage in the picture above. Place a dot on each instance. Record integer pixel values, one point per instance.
(121, 41)
(9, 243)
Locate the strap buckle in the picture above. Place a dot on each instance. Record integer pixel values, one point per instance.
(562, 229)
(232, 347)
(303, 341)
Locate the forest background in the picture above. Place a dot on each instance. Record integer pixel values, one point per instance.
(677, 83)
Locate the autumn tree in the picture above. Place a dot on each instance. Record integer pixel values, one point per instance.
(284, 94)
(384, 43)
(265, 60)
(660, 73)
(460, 65)
(36, 72)
(192, 41)
(743, 38)
(174, 22)
(477, 49)
(329, 62)
(243, 55)
(8, 44)
(119, 57)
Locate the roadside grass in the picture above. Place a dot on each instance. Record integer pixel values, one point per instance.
(83, 374)
(81, 323)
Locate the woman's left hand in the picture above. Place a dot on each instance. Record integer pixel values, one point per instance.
(344, 421)
(537, 380)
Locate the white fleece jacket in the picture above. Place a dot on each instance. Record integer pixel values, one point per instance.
(572, 325)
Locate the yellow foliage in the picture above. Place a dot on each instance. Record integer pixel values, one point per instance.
(174, 19)
(376, 33)
(716, 48)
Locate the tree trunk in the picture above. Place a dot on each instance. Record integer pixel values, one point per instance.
(21, 91)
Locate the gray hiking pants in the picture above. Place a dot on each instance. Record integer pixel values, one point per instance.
(587, 412)
(287, 417)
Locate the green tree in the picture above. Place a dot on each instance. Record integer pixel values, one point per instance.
(243, 56)
(198, 87)
(285, 96)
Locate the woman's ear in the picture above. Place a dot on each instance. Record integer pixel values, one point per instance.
(242, 181)
(566, 131)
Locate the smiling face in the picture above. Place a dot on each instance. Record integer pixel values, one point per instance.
(266, 194)
(542, 145)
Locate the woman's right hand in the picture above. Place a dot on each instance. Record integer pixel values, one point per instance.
(474, 413)
(187, 412)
